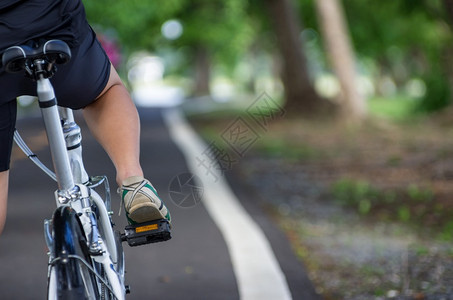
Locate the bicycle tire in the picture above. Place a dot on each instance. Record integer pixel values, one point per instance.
(74, 280)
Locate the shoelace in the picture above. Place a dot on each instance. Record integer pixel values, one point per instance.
(135, 191)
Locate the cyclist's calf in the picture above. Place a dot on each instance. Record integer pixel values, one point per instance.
(4, 178)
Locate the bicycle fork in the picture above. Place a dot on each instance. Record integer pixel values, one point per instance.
(101, 251)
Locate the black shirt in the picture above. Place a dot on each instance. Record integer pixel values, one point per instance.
(24, 20)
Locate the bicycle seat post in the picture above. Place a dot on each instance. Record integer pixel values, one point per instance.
(49, 110)
(73, 139)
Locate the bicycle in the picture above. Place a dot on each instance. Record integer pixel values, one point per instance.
(86, 258)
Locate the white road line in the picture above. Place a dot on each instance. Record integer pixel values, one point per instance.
(257, 271)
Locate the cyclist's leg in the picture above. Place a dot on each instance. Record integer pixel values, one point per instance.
(113, 119)
(7, 125)
(3, 197)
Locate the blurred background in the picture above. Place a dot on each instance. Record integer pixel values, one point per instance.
(351, 105)
(359, 55)
(355, 160)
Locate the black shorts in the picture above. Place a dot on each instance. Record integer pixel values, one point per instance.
(76, 84)
(7, 123)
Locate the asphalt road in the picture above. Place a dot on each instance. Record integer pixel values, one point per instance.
(194, 264)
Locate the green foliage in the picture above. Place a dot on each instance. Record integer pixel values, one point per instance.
(447, 231)
(418, 194)
(219, 26)
(438, 93)
(414, 205)
(136, 22)
(361, 196)
(405, 39)
(404, 213)
(394, 108)
(354, 193)
(401, 39)
(377, 26)
(296, 152)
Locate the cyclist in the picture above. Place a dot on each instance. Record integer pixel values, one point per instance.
(88, 82)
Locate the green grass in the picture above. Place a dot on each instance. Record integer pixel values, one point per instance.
(394, 108)
(366, 198)
(291, 151)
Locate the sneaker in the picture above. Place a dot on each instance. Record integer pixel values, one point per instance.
(141, 202)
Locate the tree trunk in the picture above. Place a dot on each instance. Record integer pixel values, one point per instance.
(202, 72)
(299, 92)
(338, 48)
(448, 57)
(448, 4)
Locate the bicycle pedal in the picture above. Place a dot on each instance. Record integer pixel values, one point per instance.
(147, 233)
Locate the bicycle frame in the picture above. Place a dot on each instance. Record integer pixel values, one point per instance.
(74, 190)
(83, 235)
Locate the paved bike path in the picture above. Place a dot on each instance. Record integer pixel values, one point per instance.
(195, 264)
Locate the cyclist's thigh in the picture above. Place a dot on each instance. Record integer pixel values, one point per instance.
(7, 125)
(78, 83)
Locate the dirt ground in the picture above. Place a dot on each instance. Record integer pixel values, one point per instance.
(367, 208)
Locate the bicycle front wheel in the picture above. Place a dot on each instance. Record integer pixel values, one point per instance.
(71, 275)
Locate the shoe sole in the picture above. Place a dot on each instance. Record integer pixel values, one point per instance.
(145, 212)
